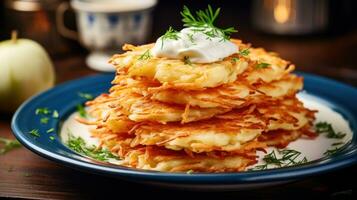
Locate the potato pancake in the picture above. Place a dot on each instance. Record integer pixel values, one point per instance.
(196, 76)
(177, 72)
(175, 116)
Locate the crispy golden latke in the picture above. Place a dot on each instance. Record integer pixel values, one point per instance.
(141, 101)
(225, 132)
(177, 74)
(159, 159)
(282, 138)
(140, 108)
(233, 95)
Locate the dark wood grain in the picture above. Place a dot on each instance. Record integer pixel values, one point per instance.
(23, 174)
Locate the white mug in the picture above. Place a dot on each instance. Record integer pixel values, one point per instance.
(105, 25)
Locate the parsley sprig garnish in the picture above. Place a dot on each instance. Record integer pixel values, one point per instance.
(204, 21)
(324, 127)
(8, 145)
(281, 158)
(78, 145)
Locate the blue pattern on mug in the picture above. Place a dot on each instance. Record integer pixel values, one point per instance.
(113, 20)
(90, 18)
(137, 19)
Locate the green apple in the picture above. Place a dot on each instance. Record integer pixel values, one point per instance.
(25, 69)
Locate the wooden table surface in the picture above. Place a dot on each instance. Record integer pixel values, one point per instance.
(24, 174)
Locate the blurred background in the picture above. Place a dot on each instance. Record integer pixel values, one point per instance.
(319, 36)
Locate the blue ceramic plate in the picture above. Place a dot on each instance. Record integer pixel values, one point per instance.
(64, 99)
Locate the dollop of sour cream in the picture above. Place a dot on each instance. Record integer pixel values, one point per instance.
(195, 45)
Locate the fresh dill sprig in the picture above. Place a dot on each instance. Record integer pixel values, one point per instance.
(78, 145)
(204, 22)
(145, 56)
(284, 158)
(44, 120)
(337, 143)
(262, 65)
(86, 96)
(190, 37)
(35, 132)
(8, 145)
(81, 110)
(171, 34)
(324, 127)
(50, 130)
(244, 52)
(235, 59)
(44, 111)
(187, 60)
(55, 114)
(333, 151)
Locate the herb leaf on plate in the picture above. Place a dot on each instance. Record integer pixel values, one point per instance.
(324, 127)
(78, 145)
(7, 145)
(281, 158)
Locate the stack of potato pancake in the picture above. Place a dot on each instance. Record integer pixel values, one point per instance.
(173, 115)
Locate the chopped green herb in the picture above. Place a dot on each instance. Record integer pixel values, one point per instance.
(78, 145)
(262, 65)
(50, 130)
(187, 60)
(324, 127)
(284, 158)
(333, 151)
(170, 34)
(145, 56)
(8, 145)
(235, 59)
(52, 138)
(190, 37)
(27, 174)
(34, 132)
(44, 111)
(337, 143)
(244, 52)
(81, 110)
(85, 95)
(55, 114)
(204, 22)
(44, 120)
(189, 171)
